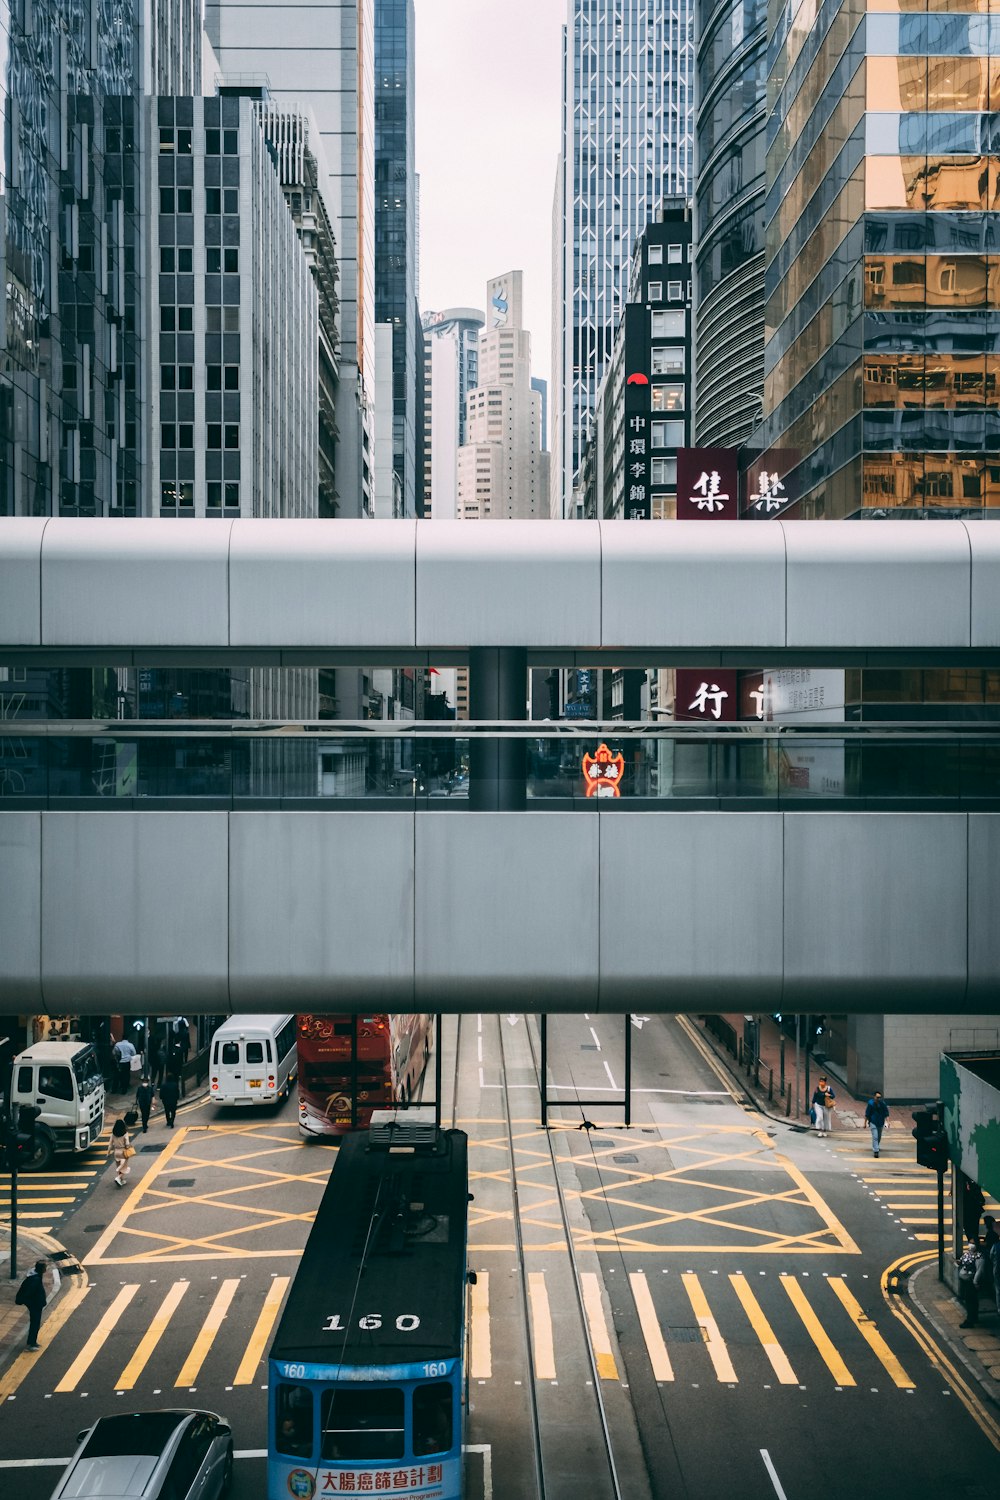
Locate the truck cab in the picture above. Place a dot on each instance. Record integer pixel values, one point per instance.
(63, 1081)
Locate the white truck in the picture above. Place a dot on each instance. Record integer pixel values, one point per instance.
(64, 1083)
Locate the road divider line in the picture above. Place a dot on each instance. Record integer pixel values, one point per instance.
(870, 1334)
(541, 1327)
(762, 1328)
(481, 1367)
(773, 1474)
(154, 1333)
(262, 1332)
(209, 1329)
(817, 1333)
(714, 1342)
(655, 1346)
(97, 1340)
(600, 1339)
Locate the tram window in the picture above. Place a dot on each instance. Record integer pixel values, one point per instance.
(295, 1420)
(230, 1053)
(432, 1408)
(255, 1052)
(363, 1424)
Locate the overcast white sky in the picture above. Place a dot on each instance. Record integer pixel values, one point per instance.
(487, 107)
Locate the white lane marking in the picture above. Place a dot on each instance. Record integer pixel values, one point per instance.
(597, 1042)
(480, 1046)
(611, 1077)
(769, 1466)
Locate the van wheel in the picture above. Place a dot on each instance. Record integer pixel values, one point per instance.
(44, 1152)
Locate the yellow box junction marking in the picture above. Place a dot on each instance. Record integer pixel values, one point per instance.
(247, 1371)
(817, 1333)
(659, 1359)
(209, 1329)
(871, 1335)
(599, 1338)
(714, 1342)
(762, 1328)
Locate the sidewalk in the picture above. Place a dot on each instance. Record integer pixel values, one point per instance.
(62, 1287)
(975, 1350)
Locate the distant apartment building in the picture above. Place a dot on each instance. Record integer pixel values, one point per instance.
(451, 371)
(503, 471)
(626, 145)
(322, 57)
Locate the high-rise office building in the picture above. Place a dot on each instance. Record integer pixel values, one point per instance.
(883, 272)
(502, 469)
(730, 47)
(396, 231)
(626, 144)
(451, 371)
(323, 58)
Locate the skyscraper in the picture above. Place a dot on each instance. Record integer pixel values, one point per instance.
(451, 370)
(502, 470)
(396, 229)
(323, 57)
(626, 144)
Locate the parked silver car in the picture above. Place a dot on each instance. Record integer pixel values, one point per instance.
(151, 1455)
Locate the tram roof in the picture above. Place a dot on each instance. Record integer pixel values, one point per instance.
(388, 1242)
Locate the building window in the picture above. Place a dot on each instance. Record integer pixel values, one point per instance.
(168, 378)
(655, 256)
(183, 200)
(231, 319)
(176, 495)
(214, 435)
(230, 200)
(232, 377)
(232, 434)
(231, 142)
(667, 361)
(166, 138)
(185, 319)
(213, 200)
(168, 319)
(666, 325)
(167, 259)
(232, 495)
(675, 254)
(667, 397)
(663, 471)
(185, 377)
(675, 291)
(183, 143)
(667, 434)
(168, 435)
(230, 491)
(184, 261)
(166, 200)
(214, 378)
(213, 143)
(654, 291)
(185, 435)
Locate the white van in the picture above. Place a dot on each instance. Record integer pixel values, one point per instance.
(252, 1060)
(63, 1081)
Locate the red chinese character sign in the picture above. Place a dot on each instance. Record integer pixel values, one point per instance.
(709, 696)
(602, 773)
(707, 484)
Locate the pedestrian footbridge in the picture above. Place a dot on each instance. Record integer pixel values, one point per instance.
(213, 867)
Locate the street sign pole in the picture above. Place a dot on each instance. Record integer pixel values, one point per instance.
(940, 1206)
(13, 1216)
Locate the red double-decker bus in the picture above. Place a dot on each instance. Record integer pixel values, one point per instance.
(350, 1065)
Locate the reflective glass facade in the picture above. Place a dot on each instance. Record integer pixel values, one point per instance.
(883, 255)
(729, 214)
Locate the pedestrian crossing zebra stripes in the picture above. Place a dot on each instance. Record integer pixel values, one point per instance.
(777, 1330)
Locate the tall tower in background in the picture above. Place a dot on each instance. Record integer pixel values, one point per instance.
(323, 57)
(451, 371)
(502, 469)
(626, 144)
(396, 233)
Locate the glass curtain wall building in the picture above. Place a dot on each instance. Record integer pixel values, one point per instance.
(626, 145)
(883, 274)
(396, 226)
(729, 217)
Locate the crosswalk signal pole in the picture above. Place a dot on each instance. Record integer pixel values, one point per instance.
(940, 1196)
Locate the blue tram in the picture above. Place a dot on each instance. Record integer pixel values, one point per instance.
(366, 1371)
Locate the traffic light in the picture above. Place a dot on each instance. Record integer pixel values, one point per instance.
(20, 1141)
(928, 1132)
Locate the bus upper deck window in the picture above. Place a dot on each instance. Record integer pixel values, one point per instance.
(363, 1424)
(294, 1421)
(255, 1052)
(230, 1053)
(432, 1427)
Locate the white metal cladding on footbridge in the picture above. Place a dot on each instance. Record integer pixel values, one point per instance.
(216, 910)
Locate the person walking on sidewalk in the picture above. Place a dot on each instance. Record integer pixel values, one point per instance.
(169, 1094)
(124, 1053)
(822, 1103)
(876, 1115)
(121, 1145)
(969, 1265)
(144, 1101)
(31, 1294)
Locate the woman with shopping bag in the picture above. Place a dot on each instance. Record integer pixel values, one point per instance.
(121, 1145)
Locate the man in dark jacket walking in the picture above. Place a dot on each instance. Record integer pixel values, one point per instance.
(144, 1101)
(169, 1094)
(876, 1114)
(31, 1294)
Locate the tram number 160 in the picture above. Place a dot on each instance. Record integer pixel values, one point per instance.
(406, 1323)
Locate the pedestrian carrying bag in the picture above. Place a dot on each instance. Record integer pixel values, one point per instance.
(21, 1299)
(129, 1151)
